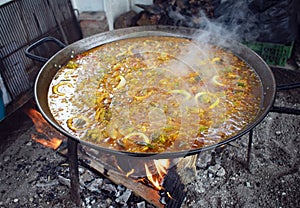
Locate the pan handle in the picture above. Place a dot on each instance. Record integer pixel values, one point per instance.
(40, 42)
(286, 110)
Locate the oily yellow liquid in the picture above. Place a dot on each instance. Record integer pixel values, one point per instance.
(155, 94)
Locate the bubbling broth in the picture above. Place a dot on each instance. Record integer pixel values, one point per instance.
(155, 94)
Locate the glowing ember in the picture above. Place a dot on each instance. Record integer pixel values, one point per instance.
(44, 129)
(53, 143)
(157, 179)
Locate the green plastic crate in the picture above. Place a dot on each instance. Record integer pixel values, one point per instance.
(274, 54)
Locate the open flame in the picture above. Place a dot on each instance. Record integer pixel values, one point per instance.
(45, 130)
(156, 180)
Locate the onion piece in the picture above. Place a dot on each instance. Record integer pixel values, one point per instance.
(214, 104)
(121, 53)
(142, 141)
(78, 123)
(142, 135)
(121, 83)
(55, 88)
(149, 92)
(68, 73)
(185, 93)
(129, 50)
(215, 81)
(112, 131)
(216, 60)
(151, 43)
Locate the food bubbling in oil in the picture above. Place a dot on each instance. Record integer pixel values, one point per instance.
(155, 94)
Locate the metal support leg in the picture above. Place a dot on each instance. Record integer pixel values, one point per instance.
(249, 148)
(73, 168)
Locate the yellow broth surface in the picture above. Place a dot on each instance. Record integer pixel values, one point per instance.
(155, 94)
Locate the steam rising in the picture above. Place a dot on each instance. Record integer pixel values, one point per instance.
(238, 21)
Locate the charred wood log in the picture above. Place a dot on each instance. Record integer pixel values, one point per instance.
(152, 9)
(175, 12)
(125, 20)
(175, 182)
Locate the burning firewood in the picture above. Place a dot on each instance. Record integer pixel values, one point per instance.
(161, 183)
